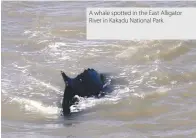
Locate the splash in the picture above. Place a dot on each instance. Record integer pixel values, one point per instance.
(36, 106)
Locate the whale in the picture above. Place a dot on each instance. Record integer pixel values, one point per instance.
(89, 83)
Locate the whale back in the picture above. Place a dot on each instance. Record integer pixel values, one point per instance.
(88, 83)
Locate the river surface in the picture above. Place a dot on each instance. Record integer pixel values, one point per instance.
(155, 81)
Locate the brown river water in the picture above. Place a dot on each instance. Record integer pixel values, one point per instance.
(155, 81)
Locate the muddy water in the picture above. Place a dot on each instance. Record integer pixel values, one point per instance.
(155, 81)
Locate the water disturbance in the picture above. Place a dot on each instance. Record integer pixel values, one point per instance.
(155, 81)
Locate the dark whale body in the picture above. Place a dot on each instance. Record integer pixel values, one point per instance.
(87, 84)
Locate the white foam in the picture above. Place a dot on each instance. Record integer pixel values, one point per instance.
(27, 32)
(56, 45)
(34, 33)
(55, 50)
(115, 97)
(36, 106)
(42, 41)
(21, 67)
(162, 90)
(68, 30)
(43, 33)
(47, 85)
(142, 95)
(85, 103)
(129, 52)
(159, 91)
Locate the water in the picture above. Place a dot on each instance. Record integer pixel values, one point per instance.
(155, 81)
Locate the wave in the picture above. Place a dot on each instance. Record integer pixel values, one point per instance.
(36, 106)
